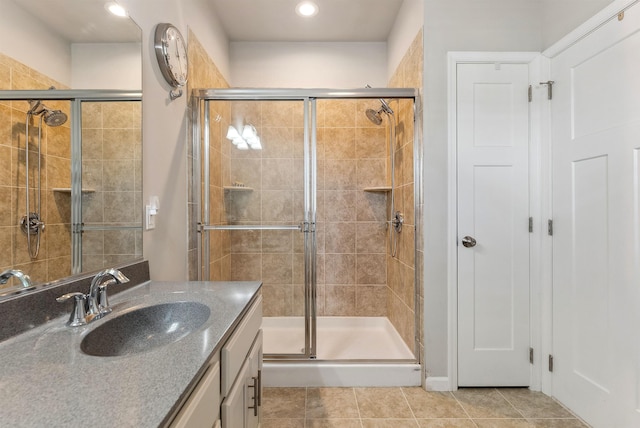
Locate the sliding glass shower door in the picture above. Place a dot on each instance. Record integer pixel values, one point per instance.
(294, 188)
(257, 217)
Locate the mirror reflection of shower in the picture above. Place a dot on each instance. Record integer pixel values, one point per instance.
(397, 219)
(31, 223)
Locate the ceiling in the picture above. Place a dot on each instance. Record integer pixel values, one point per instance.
(336, 21)
(85, 21)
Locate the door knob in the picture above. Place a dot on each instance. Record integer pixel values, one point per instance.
(468, 242)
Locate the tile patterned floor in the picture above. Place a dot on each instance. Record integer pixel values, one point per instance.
(412, 407)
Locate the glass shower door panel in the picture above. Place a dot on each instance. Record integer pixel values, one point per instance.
(264, 196)
(111, 183)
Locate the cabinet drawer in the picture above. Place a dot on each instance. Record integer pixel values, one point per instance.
(202, 406)
(237, 347)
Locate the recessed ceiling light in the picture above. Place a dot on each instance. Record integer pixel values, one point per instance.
(307, 9)
(116, 9)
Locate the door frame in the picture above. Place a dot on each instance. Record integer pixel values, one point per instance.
(537, 207)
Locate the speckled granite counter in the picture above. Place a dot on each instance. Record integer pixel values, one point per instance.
(46, 380)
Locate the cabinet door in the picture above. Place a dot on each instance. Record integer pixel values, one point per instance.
(254, 384)
(233, 406)
(201, 409)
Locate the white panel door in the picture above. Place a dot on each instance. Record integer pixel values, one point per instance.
(596, 213)
(493, 209)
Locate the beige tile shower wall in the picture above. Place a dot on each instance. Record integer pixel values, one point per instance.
(205, 74)
(268, 190)
(352, 156)
(401, 302)
(111, 182)
(54, 259)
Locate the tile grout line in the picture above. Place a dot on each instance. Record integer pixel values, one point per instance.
(511, 404)
(463, 409)
(306, 393)
(406, 400)
(357, 406)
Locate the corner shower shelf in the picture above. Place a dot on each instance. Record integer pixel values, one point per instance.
(380, 189)
(238, 189)
(68, 190)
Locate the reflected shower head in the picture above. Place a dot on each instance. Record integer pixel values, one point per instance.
(54, 117)
(50, 117)
(374, 116)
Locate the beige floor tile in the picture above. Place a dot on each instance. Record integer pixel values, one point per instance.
(333, 423)
(282, 423)
(534, 404)
(283, 403)
(557, 423)
(502, 423)
(446, 423)
(328, 403)
(485, 403)
(428, 405)
(382, 403)
(389, 423)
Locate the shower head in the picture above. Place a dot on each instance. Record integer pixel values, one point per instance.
(54, 117)
(50, 117)
(374, 116)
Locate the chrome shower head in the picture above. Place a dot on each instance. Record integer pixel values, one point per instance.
(50, 117)
(54, 117)
(374, 116)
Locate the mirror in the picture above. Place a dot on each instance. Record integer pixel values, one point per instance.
(68, 45)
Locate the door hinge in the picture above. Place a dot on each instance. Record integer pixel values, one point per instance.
(549, 84)
(530, 224)
(551, 363)
(550, 227)
(530, 93)
(530, 355)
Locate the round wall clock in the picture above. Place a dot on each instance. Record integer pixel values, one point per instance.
(171, 52)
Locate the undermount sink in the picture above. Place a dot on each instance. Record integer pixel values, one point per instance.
(146, 328)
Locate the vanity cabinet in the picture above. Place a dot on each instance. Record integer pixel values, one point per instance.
(229, 393)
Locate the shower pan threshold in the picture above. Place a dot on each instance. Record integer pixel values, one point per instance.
(352, 351)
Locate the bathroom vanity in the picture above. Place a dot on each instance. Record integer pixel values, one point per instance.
(209, 376)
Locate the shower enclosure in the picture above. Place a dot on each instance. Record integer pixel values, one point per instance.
(75, 157)
(295, 188)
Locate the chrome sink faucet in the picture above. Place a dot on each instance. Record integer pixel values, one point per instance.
(93, 306)
(24, 279)
(97, 303)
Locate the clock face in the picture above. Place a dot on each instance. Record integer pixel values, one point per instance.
(176, 55)
(171, 53)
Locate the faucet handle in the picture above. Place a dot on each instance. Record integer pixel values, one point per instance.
(103, 301)
(78, 314)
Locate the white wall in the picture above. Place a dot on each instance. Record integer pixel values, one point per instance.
(106, 66)
(559, 17)
(32, 44)
(308, 65)
(407, 24)
(456, 25)
(164, 132)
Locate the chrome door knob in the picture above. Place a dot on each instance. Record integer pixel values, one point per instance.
(468, 242)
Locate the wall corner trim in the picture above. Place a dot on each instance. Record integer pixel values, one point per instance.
(437, 384)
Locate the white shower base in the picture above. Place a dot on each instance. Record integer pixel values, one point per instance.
(352, 351)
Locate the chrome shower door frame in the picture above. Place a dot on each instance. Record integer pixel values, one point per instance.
(200, 133)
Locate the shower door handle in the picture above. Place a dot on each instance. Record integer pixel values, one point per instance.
(468, 242)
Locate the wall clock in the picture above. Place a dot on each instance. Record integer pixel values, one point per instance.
(171, 52)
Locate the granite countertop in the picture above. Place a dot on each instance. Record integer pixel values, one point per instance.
(46, 380)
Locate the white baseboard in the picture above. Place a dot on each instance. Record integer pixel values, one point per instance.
(437, 384)
(305, 374)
